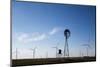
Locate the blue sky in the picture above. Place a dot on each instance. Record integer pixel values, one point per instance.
(42, 25)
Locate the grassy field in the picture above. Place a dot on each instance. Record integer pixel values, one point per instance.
(41, 61)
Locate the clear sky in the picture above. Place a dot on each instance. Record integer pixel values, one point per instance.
(42, 25)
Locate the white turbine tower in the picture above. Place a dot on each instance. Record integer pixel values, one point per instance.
(56, 51)
(34, 52)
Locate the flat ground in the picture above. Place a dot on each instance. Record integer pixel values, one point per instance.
(41, 61)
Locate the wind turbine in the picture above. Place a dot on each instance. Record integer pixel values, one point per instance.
(67, 35)
(56, 50)
(34, 51)
(46, 54)
(81, 53)
(17, 53)
(87, 48)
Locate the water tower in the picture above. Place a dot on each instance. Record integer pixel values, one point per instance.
(66, 48)
(59, 53)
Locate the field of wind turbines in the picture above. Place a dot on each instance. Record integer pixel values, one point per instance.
(52, 33)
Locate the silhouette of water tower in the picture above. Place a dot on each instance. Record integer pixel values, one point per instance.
(59, 53)
(67, 35)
